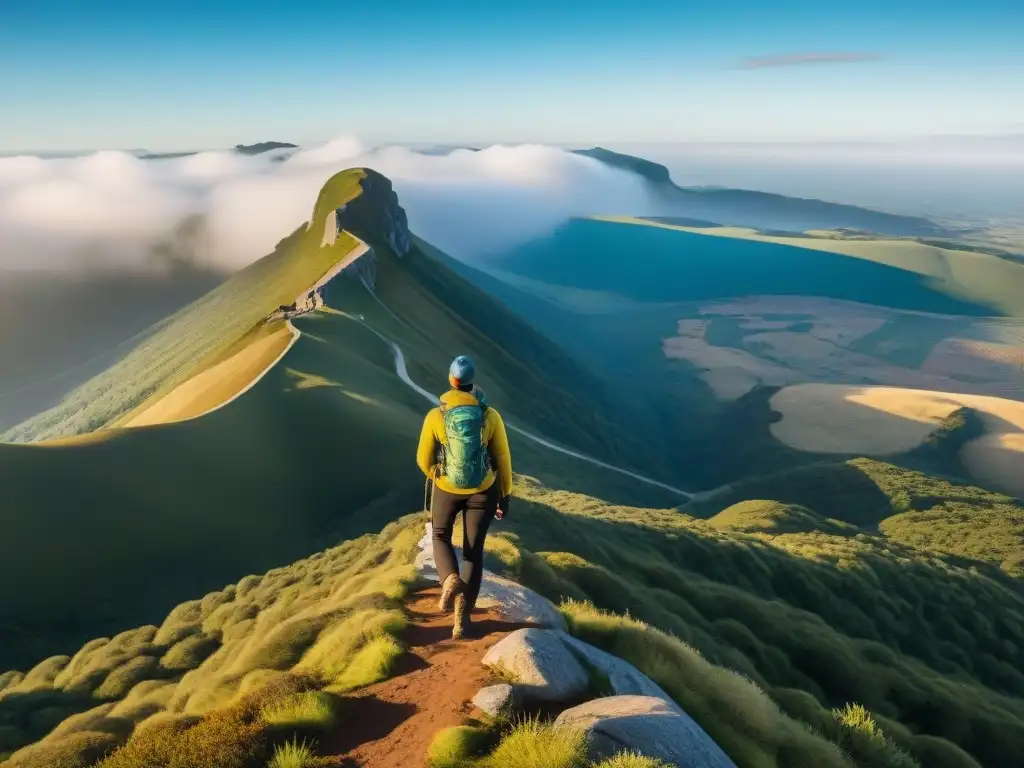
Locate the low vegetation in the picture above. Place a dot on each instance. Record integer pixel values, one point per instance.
(910, 508)
(752, 631)
(225, 679)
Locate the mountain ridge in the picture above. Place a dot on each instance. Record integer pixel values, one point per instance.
(763, 210)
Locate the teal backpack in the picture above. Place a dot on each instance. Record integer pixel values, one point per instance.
(465, 459)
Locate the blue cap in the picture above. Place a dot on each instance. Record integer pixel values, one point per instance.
(463, 369)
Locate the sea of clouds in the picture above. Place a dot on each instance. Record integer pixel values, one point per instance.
(108, 209)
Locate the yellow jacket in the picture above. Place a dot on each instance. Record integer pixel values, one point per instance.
(494, 438)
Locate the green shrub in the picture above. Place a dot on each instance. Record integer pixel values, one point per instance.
(233, 737)
(859, 735)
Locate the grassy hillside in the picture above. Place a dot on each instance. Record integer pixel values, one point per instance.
(322, 448)
(215, 680)
(815, 612)
(772, 624)
(910, 508)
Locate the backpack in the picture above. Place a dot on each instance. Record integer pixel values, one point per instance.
(465, 459)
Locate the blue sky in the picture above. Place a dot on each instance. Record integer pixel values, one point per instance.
(174, 75)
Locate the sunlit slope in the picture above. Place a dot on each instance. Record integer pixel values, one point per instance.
(204, 331)
(978, 278)
(322, 447)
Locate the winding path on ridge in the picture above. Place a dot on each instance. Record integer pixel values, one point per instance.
(403, 373)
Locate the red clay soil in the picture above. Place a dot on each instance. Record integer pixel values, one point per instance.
(391, 724)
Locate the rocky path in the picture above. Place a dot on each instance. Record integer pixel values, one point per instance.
(391, 724)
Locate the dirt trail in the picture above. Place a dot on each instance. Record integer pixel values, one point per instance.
(391, 724)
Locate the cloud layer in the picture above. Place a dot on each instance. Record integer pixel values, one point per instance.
(111, 209)
(801, 59)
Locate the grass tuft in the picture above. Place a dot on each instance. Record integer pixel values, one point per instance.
(535, 744)
(631, 760)
(292, 754)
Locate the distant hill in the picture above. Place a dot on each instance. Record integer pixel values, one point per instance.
(263, 146)
(762, 210)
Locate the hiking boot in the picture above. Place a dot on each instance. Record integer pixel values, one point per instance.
(462, 620)
(452, 587)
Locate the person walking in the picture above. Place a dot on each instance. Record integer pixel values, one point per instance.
(463, 451)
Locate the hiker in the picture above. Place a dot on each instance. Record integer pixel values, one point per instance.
(464, 453)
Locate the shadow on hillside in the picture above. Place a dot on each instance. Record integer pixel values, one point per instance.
(365, 719)
(29, 716)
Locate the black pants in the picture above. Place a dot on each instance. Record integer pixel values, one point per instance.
(478, 511)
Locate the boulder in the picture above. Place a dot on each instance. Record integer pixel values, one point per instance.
(624, 678)
(647, 725)
(543, 667)
(495, 698)
(516, 604)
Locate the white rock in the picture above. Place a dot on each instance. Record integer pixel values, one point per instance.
(646, 725)
(543, 667)
(624, 678)
(494, 698)
(516, 604)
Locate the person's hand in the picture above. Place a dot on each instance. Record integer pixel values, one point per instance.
(503, 507)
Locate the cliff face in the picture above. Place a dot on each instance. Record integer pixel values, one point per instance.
(376, 216)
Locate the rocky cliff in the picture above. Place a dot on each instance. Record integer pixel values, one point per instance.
(376, 216)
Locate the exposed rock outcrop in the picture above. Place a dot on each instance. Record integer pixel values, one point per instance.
(646, 725)
(543, 667)
(376, 216)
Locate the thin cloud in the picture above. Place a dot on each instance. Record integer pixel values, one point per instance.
(801, 59)
(111, 209)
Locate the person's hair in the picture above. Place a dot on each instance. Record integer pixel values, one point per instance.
(464, 387)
